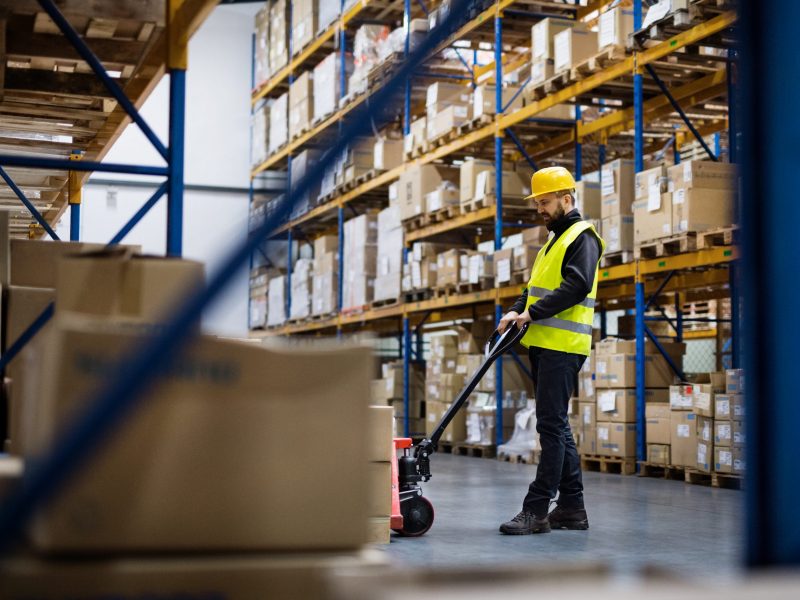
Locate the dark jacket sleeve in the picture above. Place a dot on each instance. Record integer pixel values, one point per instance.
(519, 305)
(580, 263)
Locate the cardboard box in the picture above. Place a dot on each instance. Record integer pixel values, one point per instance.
(619, 405)
(304, 24)
(278, 35)
(587, 430)
(704, 174)
(484, 100)
(261, 54)
(696, 209)
(611, 345)
(456, 431)
(619, 371)
(658, 424)
(387, 154)
(681, 397)
(705, 456)
(683, 439)
(230, 576)
(468, 173)
(327, 83)
(616, 439)
(503, 266)
(587, 199)
(279, 122)
(417, 135)
(617, 188)
(703, 400)
(658, 454)
(472, 338)
(723, 433)
(618, 233)
(416, 182)
(446, 120)
(650, 183)
(614, 26)
(729, 460)
(734, 381)
(737, 434)
(380, 425)
(573, 46)
(324, 244)
(652, 218)
(379, 477)
(543, 34)
(729, 406)
(152, 490)
(34, 263)
(513, 185)
(541, 70)
(705, 429)
(301, 104)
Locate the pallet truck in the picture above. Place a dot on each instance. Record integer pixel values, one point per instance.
(412, 513)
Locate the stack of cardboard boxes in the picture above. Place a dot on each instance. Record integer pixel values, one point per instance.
(327, 84)
(615, 382)
(387, 154)
(276, 301)
(417, 182)
(302, 163)
(301, 104)
(304, 23)
(447, 105)
(542, 47)
(278, 35)
(572, 46)
(279, 122)
(302, 278)
(388, 391)
(513, 263)
(358, 160)
(261, 70)
(325, 278)
(390, 254)
(729, 435)
(617, 193)
(484, 100)
(614, 27)
(652, 206)
(477, 183)
(366, 56)
(260, 127)
(443, 382)
(360, 260)
(420, 273)
(380, 448)
(584, 408)
(259, 286)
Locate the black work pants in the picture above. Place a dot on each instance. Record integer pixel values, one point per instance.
(554, 377)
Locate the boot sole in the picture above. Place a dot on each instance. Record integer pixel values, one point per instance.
(572, 525)
(525, 532)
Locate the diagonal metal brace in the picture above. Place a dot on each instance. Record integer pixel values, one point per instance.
(29, 205)
(675, 368)
(680, 112)
(522, 150)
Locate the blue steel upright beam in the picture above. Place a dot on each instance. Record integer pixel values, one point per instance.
(641, 440)
(638, 102)
(406, 52)
(75, 197)
(177, 60)
(498, 215)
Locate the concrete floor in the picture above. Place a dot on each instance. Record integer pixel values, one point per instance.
(634, 521)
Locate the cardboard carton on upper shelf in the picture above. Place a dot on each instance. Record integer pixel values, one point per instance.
(446, 120)
(587, 199)
(416, 182)
(417, 135)
(304, 23)
(543, 34)
(279, 122)
(484, 100)
(617, 188)
(278, 35)
(573, 46)
(301, 104)
(699, 209)
(503, 266)
(617, 232)
(327, 83)
(541, 70)
(194, 499)
(614, 27)
(652, 218)
(705, 174)
(387, 154)
(261, 40)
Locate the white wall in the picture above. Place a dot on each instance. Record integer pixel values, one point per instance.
(217, 153)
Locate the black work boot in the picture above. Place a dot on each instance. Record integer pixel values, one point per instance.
(525, 523)
(564, 517)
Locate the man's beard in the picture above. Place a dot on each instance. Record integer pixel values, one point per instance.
(560, 212)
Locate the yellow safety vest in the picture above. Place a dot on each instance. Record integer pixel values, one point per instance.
(571, 329)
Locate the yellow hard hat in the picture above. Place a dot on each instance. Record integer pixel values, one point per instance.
(550, 179)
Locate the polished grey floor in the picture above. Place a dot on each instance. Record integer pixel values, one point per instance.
(634, 522)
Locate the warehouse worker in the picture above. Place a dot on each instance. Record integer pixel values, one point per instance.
(559, 305)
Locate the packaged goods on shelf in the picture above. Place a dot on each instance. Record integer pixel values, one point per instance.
(587, 199)
(615, 25)
(482, 418)
(276, 301)
(259, 287)
(390, 255)
(444, 196)
(572, 46)
(325, 243)
(484, 100)
(729, 460)
(503, 266)
(661, 8)
(541, 70)
(327, 84)
(416, 138)
(360, 260)
(734, 381)
(366, 45)
(617, 188)
(327, 13)
(683, 438)
(260, 128)
(472, 338)
(301, 104)
(703, 395)
(279, 122)
(616, 440)
(705, 174)
(618, 405)
(617, 232)
(392, 382)
(446, 120)
(524, 439)
(652, 205)
(615, 364)
(416, 182)
(659, 454)
(359, 158)
(137, 512)
(587, 428)
(480, 270)
(304, 24)
(729, 406)
(441, 95)
(261, 63)
(514, 186)
(301, 164)
(543, 37)
(301, 289)
(325, 283)
(278, 35)
(448, 267)
(702, 195)
(658, 423)
(729, 433)
(456, 431)
(468, 173)
(387, 154)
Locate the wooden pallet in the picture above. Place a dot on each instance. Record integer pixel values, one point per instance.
(386, 302)
(474, 124)
(724, 480)
(531, 457)
(355, 310)
(666, 246)
(322, 317)
(445, 447)
(475, 450)
(603, 59)
(417, 222)
(648, 469)
(607, 464)
(365, 177)
(470, 288)
(417, 295)
(616, 258)
(509, 204)
(672, 24)
(550, 86)
(448, 289)
(445, 214)
(417, 151)
(305, 129)
(722, 236)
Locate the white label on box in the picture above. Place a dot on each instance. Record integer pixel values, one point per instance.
(723, 408)
(602, 433)
(738, 465)
(679, 196)
(537, 72)
(608, 186)
(601, 367)
(504, 270)
(562, 57)
(608, 28)
(702, 400)
(481, 184)
(725, 458)
(587, 415)
(460, 112)
(738, 411)
(654, 197)
(687, 172)
(738, 437)
(702, 453)
(683, 225)
(589, 387)
(705, 435)
(724, 431)
(682, 430)
(666, 229)
(539, 42)
(607, 401)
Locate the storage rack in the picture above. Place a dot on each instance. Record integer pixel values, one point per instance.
(636, 85)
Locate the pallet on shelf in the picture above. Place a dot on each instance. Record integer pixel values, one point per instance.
(355, 310)
(510, 203)
(474, 124)
(417, 222)
(648, 469)
(612, 259)
(530, 457)
(608, 464)
(727, 480)
(417, 295)
(670, 245)
(322, 316)
(472, 287)
(445, 213)
(721, 236)
(602, 60)
(385, 302)
(475, 450)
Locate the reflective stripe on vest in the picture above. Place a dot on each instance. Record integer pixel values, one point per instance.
(571, 329)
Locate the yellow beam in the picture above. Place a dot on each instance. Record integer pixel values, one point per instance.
(679, 282)
(318, 42)
(689, 260)
(482, 214)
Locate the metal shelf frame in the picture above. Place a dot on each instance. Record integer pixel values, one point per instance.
(624, 285)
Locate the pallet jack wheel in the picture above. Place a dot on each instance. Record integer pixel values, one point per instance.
(417, 516)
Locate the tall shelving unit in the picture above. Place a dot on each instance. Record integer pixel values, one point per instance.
(633, 85)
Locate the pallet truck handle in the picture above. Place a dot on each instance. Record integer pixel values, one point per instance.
(497, 344)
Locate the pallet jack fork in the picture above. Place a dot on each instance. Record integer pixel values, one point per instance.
(412, 513)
